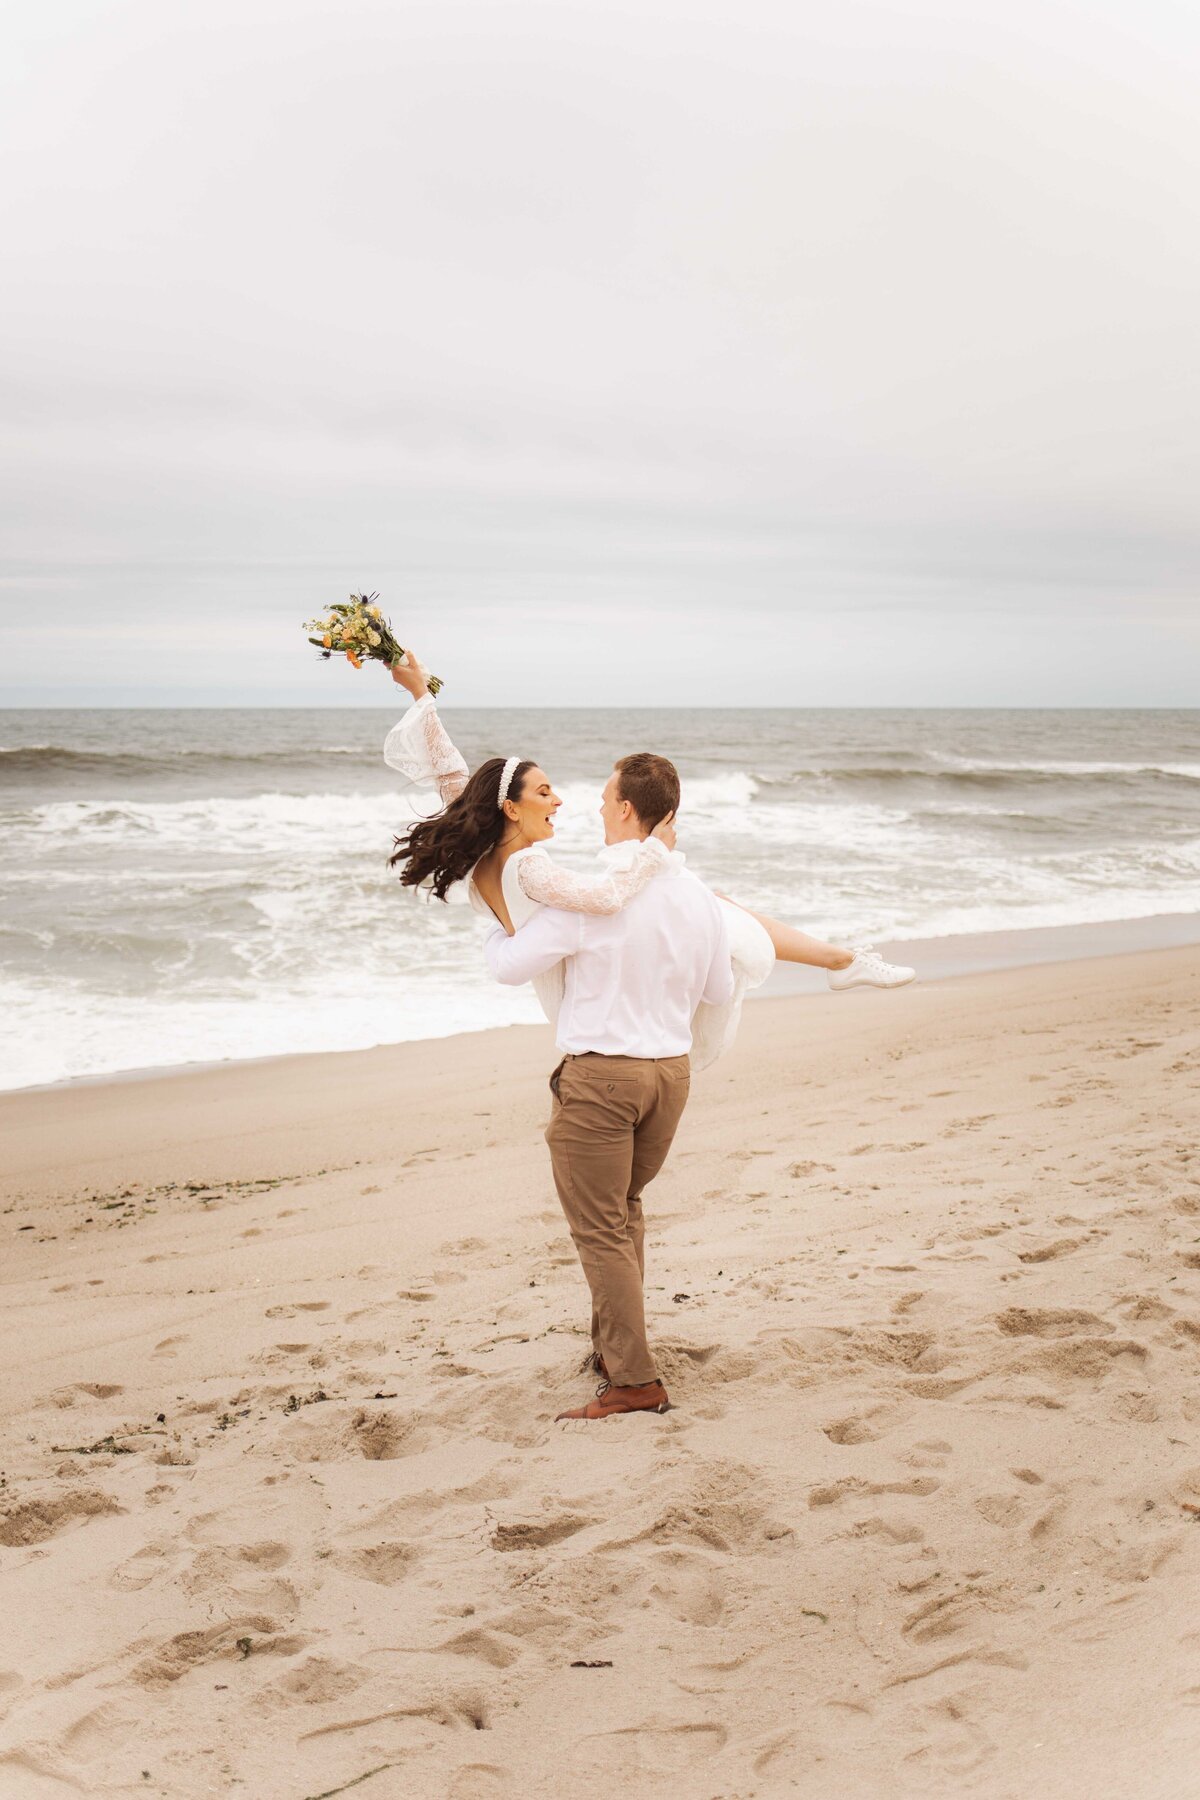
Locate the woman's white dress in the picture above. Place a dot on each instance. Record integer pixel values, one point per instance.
(420, 748)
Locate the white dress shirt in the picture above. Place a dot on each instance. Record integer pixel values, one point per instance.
(633, 978)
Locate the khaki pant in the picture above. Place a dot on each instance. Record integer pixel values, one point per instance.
(613, 1123)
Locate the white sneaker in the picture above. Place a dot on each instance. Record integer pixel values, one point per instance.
(869, 970)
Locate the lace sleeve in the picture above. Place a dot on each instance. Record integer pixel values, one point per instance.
(420, 748)
(542, 880)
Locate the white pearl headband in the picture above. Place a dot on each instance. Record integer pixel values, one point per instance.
(506, 774)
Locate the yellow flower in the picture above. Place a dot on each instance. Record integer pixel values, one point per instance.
(373, 637)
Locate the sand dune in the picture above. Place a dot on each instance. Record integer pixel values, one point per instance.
(284, 1512)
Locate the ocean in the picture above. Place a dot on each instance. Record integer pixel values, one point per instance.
(187, 886)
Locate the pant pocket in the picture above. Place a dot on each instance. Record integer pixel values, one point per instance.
(555, 1078)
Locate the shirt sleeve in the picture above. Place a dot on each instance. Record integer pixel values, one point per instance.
(420, 748)
(545, 940)
(541, 879)
(719, 986)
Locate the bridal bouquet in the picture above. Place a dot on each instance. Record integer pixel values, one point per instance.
(357, 630)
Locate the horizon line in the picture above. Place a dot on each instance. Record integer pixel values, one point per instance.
(519, 706)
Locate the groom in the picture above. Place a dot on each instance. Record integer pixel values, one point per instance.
(633, 980)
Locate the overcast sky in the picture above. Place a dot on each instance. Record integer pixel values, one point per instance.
(664, 352)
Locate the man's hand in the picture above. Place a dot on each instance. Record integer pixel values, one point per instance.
(408, 675)
(664, 831)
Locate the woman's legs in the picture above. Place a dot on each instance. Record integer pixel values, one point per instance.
(795, 946)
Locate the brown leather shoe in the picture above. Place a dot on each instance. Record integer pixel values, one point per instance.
(650, 1396)
(593, 1364)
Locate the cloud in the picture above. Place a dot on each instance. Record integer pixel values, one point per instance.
(543, 315)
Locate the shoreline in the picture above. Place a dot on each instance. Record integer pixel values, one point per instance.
(1017, 947)
(936, 959)
(241, 1113)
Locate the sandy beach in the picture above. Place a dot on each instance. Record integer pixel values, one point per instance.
(283, 1510)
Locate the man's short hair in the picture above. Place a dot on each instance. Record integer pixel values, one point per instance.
(650, 784)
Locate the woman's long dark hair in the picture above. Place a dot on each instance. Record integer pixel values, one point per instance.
(446, 848)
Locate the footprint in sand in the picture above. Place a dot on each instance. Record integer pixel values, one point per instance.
(320, 1679)
(1000, 1509)
(830, 1493)
(850, 1431)
(945, 1615)
(1047, 1521)
(788, 1758)
(88, 1737)
(335, 1435)
(1054, 1322)
(722, 1509)
(278, 1353)
(297, 1306)
(955, 1745)
(10, 1685)
(152, 1562)
(484, 1644)
(929, 1453)
(386, 1562)
(637, 1752)
(229, 1577)
(480, 1781)
(1143, 1306)
(173, 1658)
(688, 1584)
(33, 1521)
(538, 1534)
(224, 1529)
(1085, 1359)
(1138, 1562)
(1051, 1252)
(895, 1530)
(700, 1372)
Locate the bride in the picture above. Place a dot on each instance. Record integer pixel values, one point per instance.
(492, 832)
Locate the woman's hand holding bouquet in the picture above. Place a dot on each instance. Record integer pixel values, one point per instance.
(412, 675)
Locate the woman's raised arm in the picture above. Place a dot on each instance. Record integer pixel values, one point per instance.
(420, 747)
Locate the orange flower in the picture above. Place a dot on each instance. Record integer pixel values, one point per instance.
(327, 640)
(351, 658)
